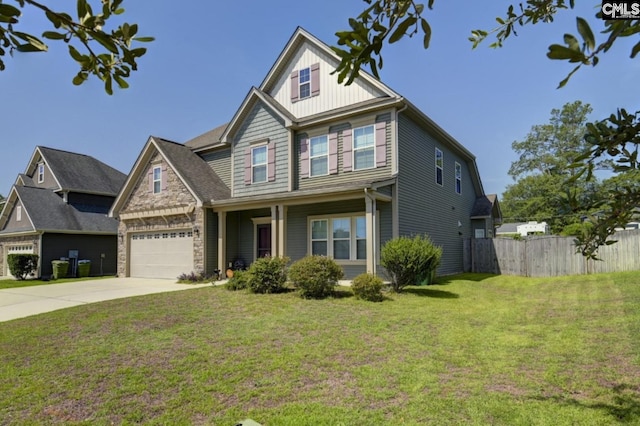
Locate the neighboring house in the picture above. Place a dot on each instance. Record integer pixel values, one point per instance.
(60, 204)
(305, 166)
(523, 229)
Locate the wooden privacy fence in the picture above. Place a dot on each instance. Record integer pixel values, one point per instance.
(549, 256)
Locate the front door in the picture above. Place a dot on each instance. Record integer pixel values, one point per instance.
(264, 240)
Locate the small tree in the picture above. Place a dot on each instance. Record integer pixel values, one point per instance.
(409, 260)
(268, 275)
(21, 265)
(315, 276)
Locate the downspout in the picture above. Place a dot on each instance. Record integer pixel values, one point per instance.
(395, 215)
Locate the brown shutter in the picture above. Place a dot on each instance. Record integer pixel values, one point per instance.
(163, 178)
(304, 158)
(347, 150)
(247, 166)
(151, 180)
(381, 144)
(271, 161)
(294, 87)
(333, 153)
(315, 79)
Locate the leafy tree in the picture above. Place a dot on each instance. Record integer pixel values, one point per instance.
(106, 54)
(615, 138)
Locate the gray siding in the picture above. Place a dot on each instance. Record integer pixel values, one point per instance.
(240, 235)
(341, 176)
(260, 124)
(220, 162)
(211, 246)
(91, 247)
(48, 182)
(426, 207)
(13, 224)
(90, 202)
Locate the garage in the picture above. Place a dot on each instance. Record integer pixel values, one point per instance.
(161, 254)
(19, 249)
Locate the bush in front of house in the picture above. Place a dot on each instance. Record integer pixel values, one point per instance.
(239, 281)
(195, 278)
(21, 265)
(267, 275)
(315, 276)
(409, 261)
(367, 287)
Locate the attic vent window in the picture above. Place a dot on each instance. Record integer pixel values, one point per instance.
(40, 173)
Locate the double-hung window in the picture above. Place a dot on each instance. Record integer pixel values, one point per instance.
(458, 178)
(40, 173)
(157, 179)
(19, 213)
(439, 166)
(259, 164)
(319, 156)
(340, 237)
(304, 79)
(364, 149)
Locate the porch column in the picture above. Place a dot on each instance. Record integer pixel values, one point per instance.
(371, 220)
(274, 230)
(222, 240)
(282, 230)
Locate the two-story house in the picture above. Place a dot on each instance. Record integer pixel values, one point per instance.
(305, 166)
(59, 205)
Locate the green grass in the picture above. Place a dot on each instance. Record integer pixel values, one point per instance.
(475, 349)
(13, 283)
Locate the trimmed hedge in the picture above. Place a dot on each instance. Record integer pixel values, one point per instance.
(315, 276)
(268, 275)
(21, 265)
(367, 287)
(409, 261)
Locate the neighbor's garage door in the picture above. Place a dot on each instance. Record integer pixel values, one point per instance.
(161, 254)
(23, 249)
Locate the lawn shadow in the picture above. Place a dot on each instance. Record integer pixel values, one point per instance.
(430, 292)
(625, 406)
(342, 293)
(448, 279)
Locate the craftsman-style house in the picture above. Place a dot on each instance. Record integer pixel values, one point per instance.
(305, 166)
(59, 205)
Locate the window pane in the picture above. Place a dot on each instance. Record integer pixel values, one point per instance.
(156, 173)
(361, 247)
(318, 229)
(341, 249)
(305, 90)
(364, 159)
(458, 186)
(156, 187)
(319, 166)
(363, 137)
(438, 158)
(260, 174)
(341, 228)
(259, 155)
(319, 248)
(304, 75)
(439, 176)
(319, 146)
(361, 227)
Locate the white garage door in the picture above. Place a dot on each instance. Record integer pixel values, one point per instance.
(164, 254)
(22, 249)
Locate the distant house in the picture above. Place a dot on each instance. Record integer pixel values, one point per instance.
(522, 229)
(306, 166)
(60, 204)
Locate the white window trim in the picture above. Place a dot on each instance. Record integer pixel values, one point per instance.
(19, 214)
(159, 180)
(266, 162)
(439, 167)
(326, 156)
(40, 172)
(353, 240)
(353, 148)
(458, 172)
(307, 83)
(259, 221)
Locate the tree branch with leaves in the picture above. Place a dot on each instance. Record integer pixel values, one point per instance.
(107, 55)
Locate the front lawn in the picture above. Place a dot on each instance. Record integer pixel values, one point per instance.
(13, 283)
(476, 349)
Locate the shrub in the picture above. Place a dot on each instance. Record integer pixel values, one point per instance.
(409, 260)
(367, 287)
(239, 281)
(267, 275)
(194, 278)
(21, 265)
(315, 276)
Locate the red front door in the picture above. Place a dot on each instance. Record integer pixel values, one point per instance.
(264, 240)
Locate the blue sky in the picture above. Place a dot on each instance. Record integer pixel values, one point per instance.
(208, 54)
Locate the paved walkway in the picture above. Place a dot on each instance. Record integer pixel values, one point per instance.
(27, 301)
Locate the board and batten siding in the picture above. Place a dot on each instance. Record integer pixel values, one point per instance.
(261, 124)
(220, 161)
(341, 176)
(424, 207)
(332, 94)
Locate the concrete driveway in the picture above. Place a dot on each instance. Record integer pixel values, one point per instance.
(27, 301)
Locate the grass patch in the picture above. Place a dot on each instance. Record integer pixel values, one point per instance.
(13, 283)
(471, 350)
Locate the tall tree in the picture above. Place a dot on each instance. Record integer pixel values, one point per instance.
(103, 53)
(615, 138)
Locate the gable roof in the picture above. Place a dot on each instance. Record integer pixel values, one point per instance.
(47, 211)
(208, 139)
(486, 206)
(199, 178)
(78, 172)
